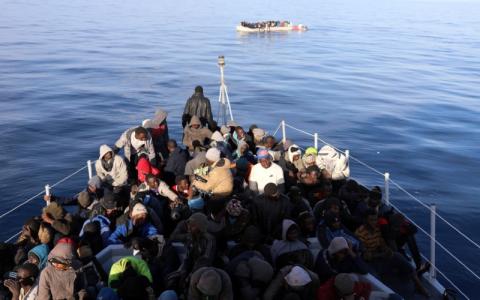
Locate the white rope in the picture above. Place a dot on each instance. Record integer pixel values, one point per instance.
(40, 193)
(12, 237)
(299, 130)
(398, 186)
(436, 214)
(446, 277)
(439, 244)
(276, 130)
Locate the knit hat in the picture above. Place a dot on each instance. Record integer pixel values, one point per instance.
(139, 209)
(210, 283)
(200, 220)
(108, 201)
(270, 189)
(263, 153)
(337, 244)
(217, 137)
(84, 199)
(297, 277)
(261, 270)
(344, 283)
(213, 154)
(54, 210)
(258, 133)
(234, 207)
(311, 151)
(95, 181)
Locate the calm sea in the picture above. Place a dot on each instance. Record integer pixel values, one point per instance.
(395, 82)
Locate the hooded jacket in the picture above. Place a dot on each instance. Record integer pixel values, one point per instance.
(334, 162)
(41, 252)
(125, 142)
(198, 105)
(219, 179)
(284, 246)
(139, 265)
(117, 175)
(55, 284)
(191, 134)
(198, 160)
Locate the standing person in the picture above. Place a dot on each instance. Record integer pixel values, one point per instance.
(133, 141)
(111, 169)
(264, 172)
(198, 105)
(158, 129)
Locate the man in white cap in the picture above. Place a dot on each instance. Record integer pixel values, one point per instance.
(137, 225)
(293, 280)
(219, 179)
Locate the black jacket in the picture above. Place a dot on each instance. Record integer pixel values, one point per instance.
(198, 105)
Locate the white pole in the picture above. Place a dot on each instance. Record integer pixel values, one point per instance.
(90, 171)
(433, 273)
(387, 188)
(315, 140)
(347, 154)
(47, 192)
(284, 133)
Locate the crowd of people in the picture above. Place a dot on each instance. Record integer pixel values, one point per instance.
(265, 24)
(245, 207)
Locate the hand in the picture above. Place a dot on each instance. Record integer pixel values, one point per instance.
(13, 287)
(134, 189)
(46, 218)
(47, 198)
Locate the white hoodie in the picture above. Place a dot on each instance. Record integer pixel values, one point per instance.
(118, 175)
(334, 162)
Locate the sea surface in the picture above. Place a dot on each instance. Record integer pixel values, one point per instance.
(395, 82)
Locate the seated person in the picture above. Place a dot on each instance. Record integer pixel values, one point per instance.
(138, 225)
(25, 287)
(111, 169)
(290, 250)
(338, 258)
(331, 227)
(195, 132)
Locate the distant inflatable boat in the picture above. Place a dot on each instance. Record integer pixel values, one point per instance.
(270, 26)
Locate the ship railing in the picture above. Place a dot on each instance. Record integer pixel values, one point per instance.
(432, 209)
(387, 181)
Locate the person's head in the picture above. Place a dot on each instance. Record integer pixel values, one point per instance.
(344, 284)
(264, 158)
(294, 153)
(212, 156)
(333, 205)
(197, 223)
(271, 191)
(234, 208)
(375, 197)
(240, 132)
(313, 174)
(94, 184)
(371, 218)
(209, 285)
(31, 227)
(38, 255)
(106, 153)
(332, 220)
(297, 278)
(171, 145)
(152, 181)
(306, 221)
(141, 134)
(182, 182)
(27, 274)
(338, 248)
(293, 233)
(270, 142)
(109, 204)
(138, 214)
(199, 89)
(84, 199)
